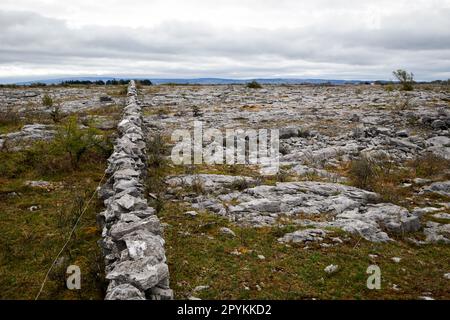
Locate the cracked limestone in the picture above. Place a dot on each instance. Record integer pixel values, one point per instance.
(351, 209)
(132, 242)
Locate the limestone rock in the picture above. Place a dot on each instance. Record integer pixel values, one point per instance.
(227, 231)
(332, 268)
(442, 188)
(124, 292)
(141, 244)
(304, 236)
(132, 203)
(123, 228)
(140, 273)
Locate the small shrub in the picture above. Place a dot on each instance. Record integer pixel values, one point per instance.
(282, 176)
(253, 85)
(47, 101)
(405, 78)
(75, 142)
(389, 191)
(157, 165)
(196, 111)
(9, 117)
(304, 133)
(156, 151)
(189, 169)
(240, 184)
(381, 175)
(157, 187)
(403, 104)
(429, 165)
(389, 88)
(197, 186)
(362, 172)
(161, 112)
(56, 114)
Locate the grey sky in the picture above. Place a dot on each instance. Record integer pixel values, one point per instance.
(234, 39)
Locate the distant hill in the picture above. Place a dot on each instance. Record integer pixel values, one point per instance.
(60, 80)
(240, 81)
(199, 80)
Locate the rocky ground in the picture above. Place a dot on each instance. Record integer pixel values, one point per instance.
(360, 167)
(369, 162)
(24, 119)
(321, 130)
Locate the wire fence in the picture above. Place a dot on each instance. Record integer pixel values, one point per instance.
(69, 237)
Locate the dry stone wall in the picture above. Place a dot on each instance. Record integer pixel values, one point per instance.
(132, 242)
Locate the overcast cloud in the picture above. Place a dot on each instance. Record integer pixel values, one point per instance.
(233, 39)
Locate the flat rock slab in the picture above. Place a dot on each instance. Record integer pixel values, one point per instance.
(304, 236)
(351, 209)
(442, 188)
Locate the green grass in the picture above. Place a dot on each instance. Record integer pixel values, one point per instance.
(30, 240)
(199, 255)
(10, 127)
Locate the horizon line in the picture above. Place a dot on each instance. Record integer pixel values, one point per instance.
(34, 79)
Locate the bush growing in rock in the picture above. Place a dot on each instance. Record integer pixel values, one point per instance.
(405, 78)
(161, 112)
(157, 150)
(75, 142)
(429, 165)
(197, 186)
(403, 104)
(368, 172)
(55, 114)
(196, 111)
(9, 117)
(47, 101)
(282, 176)
(387, 178)
(157, 164)
(254, 85)
(240, 184)
(362, 172)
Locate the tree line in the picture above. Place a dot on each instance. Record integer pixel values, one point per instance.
(67, 83)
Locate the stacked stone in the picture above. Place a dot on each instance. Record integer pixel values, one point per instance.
(131, 240)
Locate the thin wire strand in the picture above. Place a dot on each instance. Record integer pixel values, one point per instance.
(70, 237)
